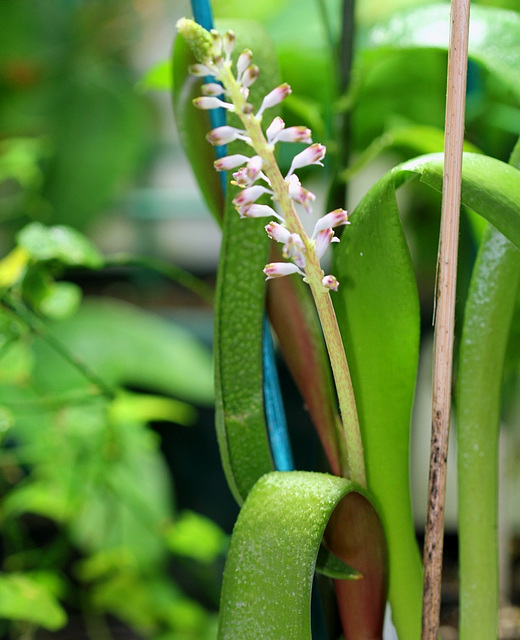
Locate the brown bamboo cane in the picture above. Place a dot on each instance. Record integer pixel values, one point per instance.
(445, 315)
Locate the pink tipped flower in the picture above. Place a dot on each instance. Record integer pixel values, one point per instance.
(250, 75)
(225, 135)
(323, 242)
(230, 162)
(254, 168)
(212, 89)
(294, 250)
(299, 194)
(228, 43)
(280, 269)
(243, 62)
(274, 129)
(249, 195)
(277, 232)
(312, 155)
(295, 134)
(202, 70)
(330, 282)
(274, 97)
(333, 219)
(211, 102)
(258, 211)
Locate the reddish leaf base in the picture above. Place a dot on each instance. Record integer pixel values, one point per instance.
(355, 535)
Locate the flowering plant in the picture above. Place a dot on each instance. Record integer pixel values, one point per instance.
(355, 526)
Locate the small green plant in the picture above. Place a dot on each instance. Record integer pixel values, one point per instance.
(362, 518)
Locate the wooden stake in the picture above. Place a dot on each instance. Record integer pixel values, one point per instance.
(445, 315)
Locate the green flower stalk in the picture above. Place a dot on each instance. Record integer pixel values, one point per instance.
(259, 175)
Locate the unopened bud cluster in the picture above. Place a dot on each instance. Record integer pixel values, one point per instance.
(259, 174)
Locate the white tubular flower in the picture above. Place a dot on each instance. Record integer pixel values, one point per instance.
(299, 194)
(258, 211)
(228, 44)
(274, 129)
(202, 70)
(230, 162)
(212, 89)
(225, 135)
(312, 155)
(333, 219)
(250, 75)
(254, 168)
(277, 232)
(294, 250)
(330, 282)
(273, 98)
(280, 269)
(295, 134)
(243, 62)
(249, 195)
(211, 102)
(323, 242)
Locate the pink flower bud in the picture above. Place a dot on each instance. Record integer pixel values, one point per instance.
(244, 60)
(230, 162)
(210, 102)
(212, 89)
(333, 219)
(323, 241)
(258, 211)
(201, 70)
(280, 269)
(277, 232)
(299, 194)
(294, 249)
(274, 97)
(225, 135)
(295, 134)
(228, 43)
(312, 155)
(330, 282)
(254, 168)
(274, 129)
(250, 75)
(249, 195)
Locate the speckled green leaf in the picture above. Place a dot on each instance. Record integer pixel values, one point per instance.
(378, 311)
(25, 600)
(266, 591)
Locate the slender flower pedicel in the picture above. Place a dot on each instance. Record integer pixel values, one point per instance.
(303, 253)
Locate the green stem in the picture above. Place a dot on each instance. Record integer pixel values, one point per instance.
(42, 331)
(313, 276)
(170, 271)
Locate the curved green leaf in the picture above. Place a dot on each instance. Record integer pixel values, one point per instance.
(377, 309)
(126, 346)
(266, 590)
(487, 321)
(239, 312)
(493, 40)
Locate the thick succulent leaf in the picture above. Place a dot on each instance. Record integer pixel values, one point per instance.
(493, 41)
(266, 591)
(487, 321)
(126, 346)
(378, 311)
(239, 313)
